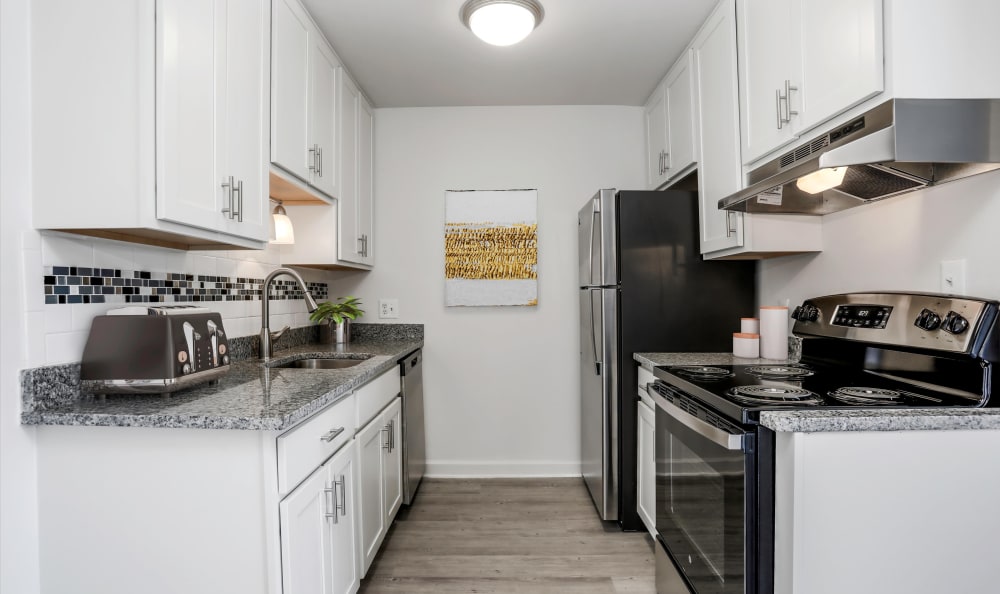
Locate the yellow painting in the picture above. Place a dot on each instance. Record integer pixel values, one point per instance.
(491, 248)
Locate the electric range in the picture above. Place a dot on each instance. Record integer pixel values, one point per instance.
(715, 463)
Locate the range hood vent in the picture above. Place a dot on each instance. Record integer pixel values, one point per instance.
(897, 147)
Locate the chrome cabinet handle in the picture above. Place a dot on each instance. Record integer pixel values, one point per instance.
(660, 166)
(730, 223)
(366, 244)
(666, 161)
(230, 190)
(319, 160)
(786, 99)
(332, 434)
(392, 436)
(361, 245)
(312, 157)
(387, 431)
(330, 502)
(777, 106)
(239, 201)
(341, 502)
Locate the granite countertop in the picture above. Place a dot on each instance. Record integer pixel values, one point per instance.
(249, 397)
(818, 420)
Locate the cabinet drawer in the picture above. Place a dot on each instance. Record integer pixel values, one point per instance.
(376, 394)
(645, 377)
(304, 448)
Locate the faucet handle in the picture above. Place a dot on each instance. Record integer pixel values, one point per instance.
(276, 335)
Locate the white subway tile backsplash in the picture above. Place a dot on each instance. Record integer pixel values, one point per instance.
(59, 249)
(83, 314)
(150, 258)
(113, 254)
(64, 347)
(34, 321)
(34, 284)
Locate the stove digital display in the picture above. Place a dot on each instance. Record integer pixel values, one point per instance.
(862, 316)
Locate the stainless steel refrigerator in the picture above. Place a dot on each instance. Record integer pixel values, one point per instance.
(644, 287)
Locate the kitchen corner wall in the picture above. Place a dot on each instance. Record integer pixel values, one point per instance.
(898, 245)
(501, 383)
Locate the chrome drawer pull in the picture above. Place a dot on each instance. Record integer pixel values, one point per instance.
(332, 434)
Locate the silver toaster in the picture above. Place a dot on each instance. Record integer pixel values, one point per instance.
(164, 349)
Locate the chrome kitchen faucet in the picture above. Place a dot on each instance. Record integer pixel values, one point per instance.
(267, 337)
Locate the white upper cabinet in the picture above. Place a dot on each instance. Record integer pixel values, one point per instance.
(303, 99)
(803, 62)
(348, 115)
(728, 234)
(670, 136)
(656, 137)
(166, 121)
(720, 172)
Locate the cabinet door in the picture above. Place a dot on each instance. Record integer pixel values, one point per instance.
(246, 142)
(371, 440)
(190, 96)
(768, 44)
(305, 538)
(348, 112)
(366, 196)
(646, 484)
(392, 466)
(323, 116)
(343, 542)
(841, 57)
(720, 171)
(290, 45)
(681, 138)
(656, 138)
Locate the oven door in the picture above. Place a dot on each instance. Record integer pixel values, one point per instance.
(704, 493)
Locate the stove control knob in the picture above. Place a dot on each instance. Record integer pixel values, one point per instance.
(927, 320)
(954, 323)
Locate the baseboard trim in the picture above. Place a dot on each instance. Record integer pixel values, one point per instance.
(502, 469)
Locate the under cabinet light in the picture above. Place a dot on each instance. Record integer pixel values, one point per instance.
(822, 180)
(284, 233)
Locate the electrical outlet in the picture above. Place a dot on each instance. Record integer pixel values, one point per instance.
(953, 277)
(388, 308)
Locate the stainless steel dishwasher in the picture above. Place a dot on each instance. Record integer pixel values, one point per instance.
(414, 448)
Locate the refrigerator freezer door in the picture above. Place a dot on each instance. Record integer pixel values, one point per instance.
(599, 394)
(596, 224)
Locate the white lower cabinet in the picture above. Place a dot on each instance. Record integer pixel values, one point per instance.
(200, 511)
(380, 468)
(646, 486)
(318, 545)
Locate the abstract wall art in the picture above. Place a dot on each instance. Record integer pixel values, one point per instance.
(491, 248)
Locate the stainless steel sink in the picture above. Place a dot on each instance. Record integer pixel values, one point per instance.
(321, 363)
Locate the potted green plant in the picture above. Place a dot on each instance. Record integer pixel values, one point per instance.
(334, 319)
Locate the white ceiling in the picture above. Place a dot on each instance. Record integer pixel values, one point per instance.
(417, 53)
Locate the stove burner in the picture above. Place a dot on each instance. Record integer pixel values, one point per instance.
(773, 395)
(701, 372)
(866, 396)
(778, 371)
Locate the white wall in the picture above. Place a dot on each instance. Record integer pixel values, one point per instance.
(898, 244)
(501, 384)
(18, 478)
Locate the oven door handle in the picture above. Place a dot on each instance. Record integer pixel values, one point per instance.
(714, 434)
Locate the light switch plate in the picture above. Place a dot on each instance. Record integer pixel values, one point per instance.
(388, 308)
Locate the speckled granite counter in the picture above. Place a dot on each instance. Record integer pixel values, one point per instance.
(249, 397)
(812, 421)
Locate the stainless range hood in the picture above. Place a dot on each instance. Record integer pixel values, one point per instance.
(899, 146)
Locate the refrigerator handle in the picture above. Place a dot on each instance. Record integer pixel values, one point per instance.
(593, 225)
(593, 333)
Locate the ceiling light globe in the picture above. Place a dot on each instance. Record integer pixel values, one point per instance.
(502, 22)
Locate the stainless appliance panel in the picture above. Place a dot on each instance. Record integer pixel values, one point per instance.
(596, 224)
(702, 486)
(598, 402)
(414, 442)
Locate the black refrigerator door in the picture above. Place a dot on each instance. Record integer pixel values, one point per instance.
(671, 300)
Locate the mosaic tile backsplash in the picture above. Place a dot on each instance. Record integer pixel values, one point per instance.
(73, 284)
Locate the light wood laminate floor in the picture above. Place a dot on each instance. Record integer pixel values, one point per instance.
(523, 536)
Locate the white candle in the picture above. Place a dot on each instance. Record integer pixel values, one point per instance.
(774, 332)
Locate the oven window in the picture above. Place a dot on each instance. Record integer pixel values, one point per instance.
(700, 507)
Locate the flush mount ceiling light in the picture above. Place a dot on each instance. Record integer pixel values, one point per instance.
(282, 225)
(502, 22)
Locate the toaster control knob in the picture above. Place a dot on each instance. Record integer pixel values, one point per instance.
(927, 320)
(225, 359)
(182, 357)
(186, 369)
(811, 312)
(222, 349)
